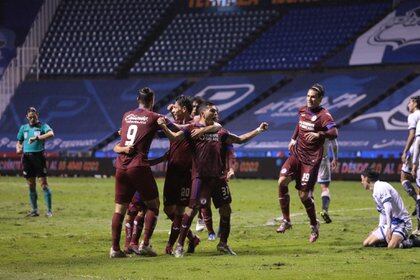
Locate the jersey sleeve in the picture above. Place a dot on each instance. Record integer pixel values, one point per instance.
(45, 128)
(327, 122)
(20, 136)
(223, 134)
(411, 120)
(187, 132)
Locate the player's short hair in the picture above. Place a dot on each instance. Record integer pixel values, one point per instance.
(371, 174)
(204, 106)
(145, 95)
(417, 100)
(319, 89)
(185, 101)
(31, 110)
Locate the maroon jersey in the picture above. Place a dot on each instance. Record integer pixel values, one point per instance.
(180, 156)
(310, 152)
(138, 128)
(207, 159)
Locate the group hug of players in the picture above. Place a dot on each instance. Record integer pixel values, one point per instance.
(199, 164)
(197, 171)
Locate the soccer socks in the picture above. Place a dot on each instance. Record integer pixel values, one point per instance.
(175, 229)
(325, 196)
(185, 227)
(208, 219)
(310, 210)
(408, 187)
(150, 224)
(47, 198)
(284, 200)
(117, 220)
(128, 229)
(224, 228)
(33, 199)
(138, 225)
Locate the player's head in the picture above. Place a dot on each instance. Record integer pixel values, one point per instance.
(182, 107)
(413, 104)
(208, 112)
(314, 96)
(368, 178)
(32, 115)
(196, 103)
(146, 97)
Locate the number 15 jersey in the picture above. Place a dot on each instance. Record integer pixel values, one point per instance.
(138, 128)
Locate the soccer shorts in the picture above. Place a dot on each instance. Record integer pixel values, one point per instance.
(324, 172)
(401, 229)
(128, 181)
(304, 175)
(205, 189)
(177, 188)
(34, 165)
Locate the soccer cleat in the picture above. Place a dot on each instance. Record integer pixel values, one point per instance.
(314, 233)
(49, 214)
(192, 244)
(285, 225)
(212, 236)
(146, 250)
(224, 248)
(200, 226)
(33, 213)
(133, 248)
(179, 251)
(116, 254)
(168, 249)
(326, 217)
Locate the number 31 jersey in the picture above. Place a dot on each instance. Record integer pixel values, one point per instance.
(138, 128)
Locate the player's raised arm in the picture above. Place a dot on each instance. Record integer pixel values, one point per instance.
(215, 127)
(172, 136)
(232, 138)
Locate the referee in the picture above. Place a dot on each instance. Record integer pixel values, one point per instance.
(31, 138)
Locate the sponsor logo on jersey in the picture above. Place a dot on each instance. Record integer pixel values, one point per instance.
(210, 137)
(132, 118)
(307, 125)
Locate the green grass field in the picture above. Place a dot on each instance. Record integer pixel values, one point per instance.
(74, 244)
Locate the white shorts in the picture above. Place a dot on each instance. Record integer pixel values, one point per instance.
(324, 173)
(402, 229)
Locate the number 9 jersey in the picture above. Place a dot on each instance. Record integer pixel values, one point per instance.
(138, 128)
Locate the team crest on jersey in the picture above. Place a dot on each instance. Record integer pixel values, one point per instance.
(313, 118)
(132, 118)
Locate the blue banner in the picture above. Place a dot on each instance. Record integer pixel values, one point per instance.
(395, 39)
(81, 113)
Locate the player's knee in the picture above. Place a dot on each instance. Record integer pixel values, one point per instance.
(169, 211)
(121, 208)
(31, 183)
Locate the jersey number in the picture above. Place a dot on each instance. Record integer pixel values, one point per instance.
(131, 135)
(305, 177)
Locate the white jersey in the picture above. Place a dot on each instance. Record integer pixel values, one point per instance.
(383, 193)
(413, 121)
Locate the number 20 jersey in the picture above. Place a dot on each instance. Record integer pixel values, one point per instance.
(138, 128)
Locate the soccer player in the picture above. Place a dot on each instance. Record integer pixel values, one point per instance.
(410, 162)
(324, 176)
(207, 168)
(306, 148)
(394, 220)
(31, 139)
(133, 172)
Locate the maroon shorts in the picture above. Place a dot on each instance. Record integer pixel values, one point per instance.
(128, 181)
(177, 188)
(205, 189)
(304, 175)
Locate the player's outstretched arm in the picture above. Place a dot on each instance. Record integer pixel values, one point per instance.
(172, 136)
(207, 129)
(232, 138)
